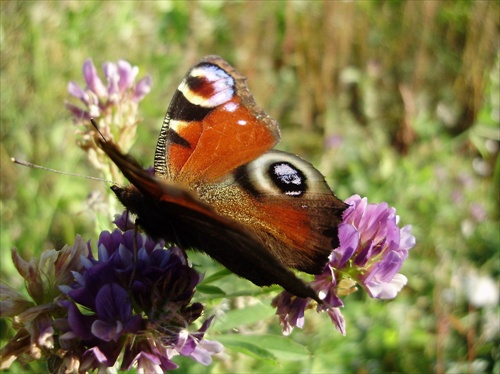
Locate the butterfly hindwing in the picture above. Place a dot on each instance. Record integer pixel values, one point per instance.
(286, 202)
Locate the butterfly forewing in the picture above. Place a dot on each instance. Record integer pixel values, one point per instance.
(212, 126)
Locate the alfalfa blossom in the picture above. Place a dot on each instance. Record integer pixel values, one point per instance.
(128, 308)
(141, 304)
(112, 103)
(371, 252)
(33, 316)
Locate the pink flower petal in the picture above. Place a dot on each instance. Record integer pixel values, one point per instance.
(94, 83)
(142, 88)
(127, 74)
(75, 90)
(337, 319)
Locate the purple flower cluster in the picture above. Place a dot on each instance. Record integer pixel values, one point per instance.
(136, 297)
(113, 105)
(130, 307)
(98, 98)
(372, 250)
(33, 310)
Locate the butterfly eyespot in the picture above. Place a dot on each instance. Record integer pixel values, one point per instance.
(287, 178)
(280, 173)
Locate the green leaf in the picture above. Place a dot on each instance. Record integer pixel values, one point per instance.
(245, 316)
(216, 276)
(249, 349)
(280, 347)
(210, 290)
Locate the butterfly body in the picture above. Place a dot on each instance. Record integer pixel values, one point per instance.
(219, 188)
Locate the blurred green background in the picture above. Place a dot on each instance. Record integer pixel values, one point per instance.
(394, 100)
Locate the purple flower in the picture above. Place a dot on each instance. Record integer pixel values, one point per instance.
(138, 301)
(94, 83)
(290, 309)
(99, 99)
(380, 248)
(372, 250)
(112, 102)
(34, 315)
(193, 345)
(142, 88)
(132, 303)
(124, 222)
(337, 319)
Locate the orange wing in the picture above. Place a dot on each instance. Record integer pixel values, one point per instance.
(212, 126)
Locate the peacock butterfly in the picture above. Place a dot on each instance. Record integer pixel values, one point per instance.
(219, 188)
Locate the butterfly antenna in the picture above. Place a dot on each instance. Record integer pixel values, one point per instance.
(35, 166)
(178, 242)
(96, 126)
